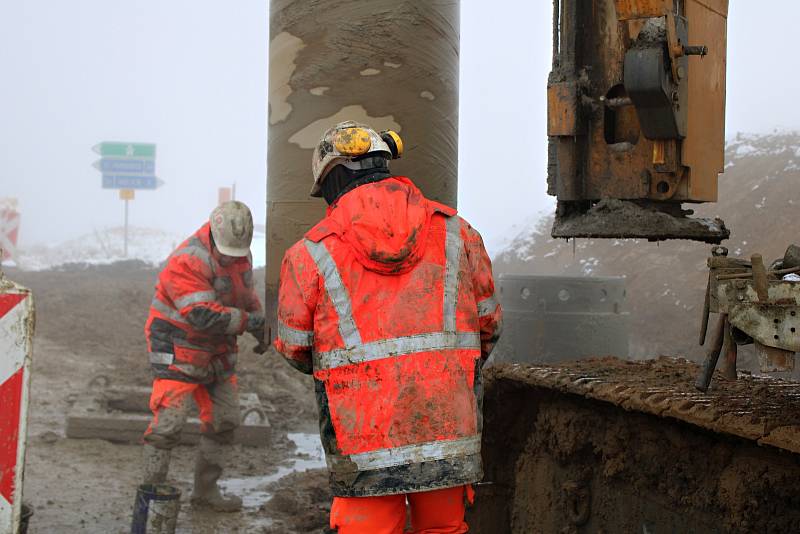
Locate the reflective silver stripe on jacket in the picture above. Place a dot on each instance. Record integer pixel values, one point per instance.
(235, 322)
(194, 298)
(161, 358)
(407, 454)
(487, 306)
(386, 348)
(197, 250)
(453, 246)
(199, 373)
(292, 336)
(336, 292)
(171, 313)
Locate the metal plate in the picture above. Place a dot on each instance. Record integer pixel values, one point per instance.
(121, 414)
(552, 318)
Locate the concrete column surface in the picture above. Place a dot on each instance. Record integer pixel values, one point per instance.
(391, 64)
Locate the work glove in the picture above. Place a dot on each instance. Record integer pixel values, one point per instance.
(261, 348)
(256, 325)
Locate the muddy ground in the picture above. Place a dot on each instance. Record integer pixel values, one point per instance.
(89, 322)
(554, 462)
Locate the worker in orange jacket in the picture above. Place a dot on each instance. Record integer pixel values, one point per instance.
(204, 298)
(389, 302)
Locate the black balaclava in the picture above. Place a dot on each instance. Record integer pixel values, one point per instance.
(341, 180)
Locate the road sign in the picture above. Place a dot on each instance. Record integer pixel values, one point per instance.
(128, 150)
(131, 181)
(16, 333)
(9, 229)
(127, 166)
(113, 165)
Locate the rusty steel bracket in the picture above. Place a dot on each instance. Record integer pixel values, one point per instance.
(625, 147)
(761, 308)
(562, 109)
(674, 46)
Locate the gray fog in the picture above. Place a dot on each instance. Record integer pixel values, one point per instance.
(192, 78)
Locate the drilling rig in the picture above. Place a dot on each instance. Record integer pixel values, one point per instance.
(636, 134)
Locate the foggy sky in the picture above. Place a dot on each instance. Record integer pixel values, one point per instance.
(192, 77)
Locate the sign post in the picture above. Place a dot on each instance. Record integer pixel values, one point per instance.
(127, 167)
(126, 195)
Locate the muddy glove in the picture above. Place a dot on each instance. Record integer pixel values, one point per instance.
(256, 326)
(255, 323)
(263, 345)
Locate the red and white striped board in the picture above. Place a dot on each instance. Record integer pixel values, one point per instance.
(16, 345)
(9, 230)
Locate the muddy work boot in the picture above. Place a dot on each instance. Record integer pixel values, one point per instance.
(156, 464)
(206, 474)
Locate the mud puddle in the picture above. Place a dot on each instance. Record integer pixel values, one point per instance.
(255, 490)
(89, 322)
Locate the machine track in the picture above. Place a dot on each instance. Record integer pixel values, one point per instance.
(607, 445)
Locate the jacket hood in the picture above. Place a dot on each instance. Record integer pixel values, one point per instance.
(385, 223)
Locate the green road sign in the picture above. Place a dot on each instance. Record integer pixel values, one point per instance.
(130, 150)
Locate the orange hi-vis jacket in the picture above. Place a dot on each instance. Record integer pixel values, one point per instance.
(199, 308)
(389, 302)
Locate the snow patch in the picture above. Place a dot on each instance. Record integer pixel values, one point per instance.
(106, 246)
(744, 150)
(753, 145)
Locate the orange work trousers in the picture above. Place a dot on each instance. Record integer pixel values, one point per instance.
(432, 512)
(217, 404)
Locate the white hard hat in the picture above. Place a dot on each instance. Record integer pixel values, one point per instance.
(232, 228)
(346, 144)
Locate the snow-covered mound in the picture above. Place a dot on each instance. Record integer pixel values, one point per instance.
(103, 246)
(106, 246)
(751, 145)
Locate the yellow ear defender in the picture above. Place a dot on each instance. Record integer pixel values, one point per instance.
(352, 141)
(392, 139)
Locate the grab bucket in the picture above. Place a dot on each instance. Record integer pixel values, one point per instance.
(155, 510)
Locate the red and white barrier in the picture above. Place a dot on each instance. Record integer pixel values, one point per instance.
(9, 230)
(16, 344)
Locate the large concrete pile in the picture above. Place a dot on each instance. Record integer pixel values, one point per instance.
(392, 65)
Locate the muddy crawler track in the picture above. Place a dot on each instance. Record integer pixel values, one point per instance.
(559, 459)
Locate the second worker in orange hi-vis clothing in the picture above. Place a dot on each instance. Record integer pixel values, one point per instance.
(204, 298)
(389, 302)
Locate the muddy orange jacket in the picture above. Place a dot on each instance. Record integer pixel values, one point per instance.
(389, 302)
(199, 308)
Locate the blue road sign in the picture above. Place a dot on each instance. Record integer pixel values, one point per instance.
(126, 166)
(130, 181)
